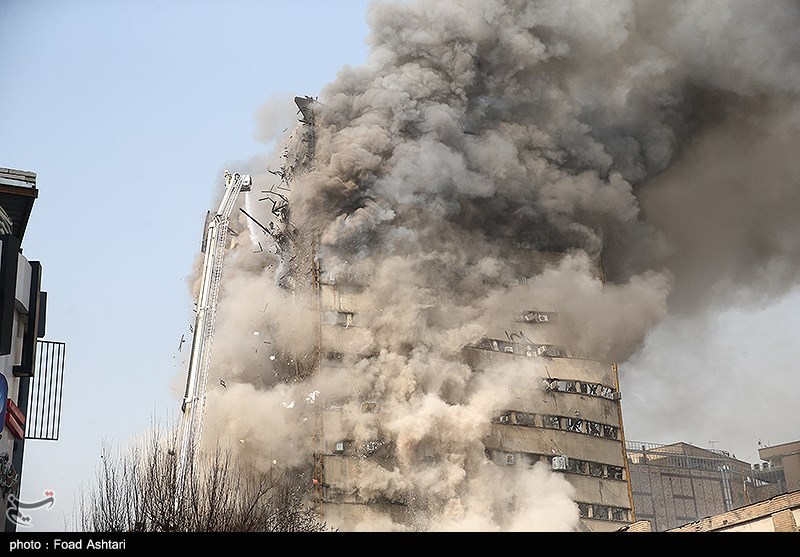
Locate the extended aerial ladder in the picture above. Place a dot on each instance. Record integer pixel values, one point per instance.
(216, 237)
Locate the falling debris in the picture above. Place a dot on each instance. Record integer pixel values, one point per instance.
(222, 382)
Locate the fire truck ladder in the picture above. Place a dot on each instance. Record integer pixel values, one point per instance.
(193, 405)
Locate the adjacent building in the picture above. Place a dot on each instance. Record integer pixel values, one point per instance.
(778, 514)
(681, 487)
(779, 471)
(31, 368)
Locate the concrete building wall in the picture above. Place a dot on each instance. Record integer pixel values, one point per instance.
(784, 461)
(779, 514)
(678, 484)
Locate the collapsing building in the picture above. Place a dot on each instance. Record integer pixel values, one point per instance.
(466, 234)
(558, 412)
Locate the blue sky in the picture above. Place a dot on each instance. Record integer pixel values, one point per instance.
(129, 112)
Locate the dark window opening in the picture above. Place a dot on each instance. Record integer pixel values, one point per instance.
(575, 466)
(596, 469)
(526, 419)
(574, 424)
(619, 514)
(552, 422)
(614, 472)
(600, 512)
(589, 388)
(609, 432)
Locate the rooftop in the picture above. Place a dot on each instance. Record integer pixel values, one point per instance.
(17, 194)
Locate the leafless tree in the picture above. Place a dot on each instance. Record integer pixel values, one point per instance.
(142, 489)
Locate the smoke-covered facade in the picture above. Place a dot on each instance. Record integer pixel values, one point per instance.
(492, 164)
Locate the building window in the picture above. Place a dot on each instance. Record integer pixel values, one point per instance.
(339, 447)
(596, 469)
(593, 429)
(567, 386)
(345, 318)
(609, 432)
(583, 509)
(619, 514)
(526, 419)
(574, 424)
(600, 512)
(614, 472)
(576, 466)
(510, 459)
(589, 388)
(531, 459)
(608, 392)
(552, 422)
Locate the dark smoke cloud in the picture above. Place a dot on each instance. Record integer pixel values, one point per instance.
(650, 141)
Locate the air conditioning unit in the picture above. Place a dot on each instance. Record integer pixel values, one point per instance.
(559, 463)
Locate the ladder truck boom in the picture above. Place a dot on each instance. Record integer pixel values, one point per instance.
(193, 404)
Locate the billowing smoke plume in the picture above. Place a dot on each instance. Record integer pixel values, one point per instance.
(651, 142)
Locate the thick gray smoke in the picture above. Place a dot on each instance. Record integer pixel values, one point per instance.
(655, 137)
